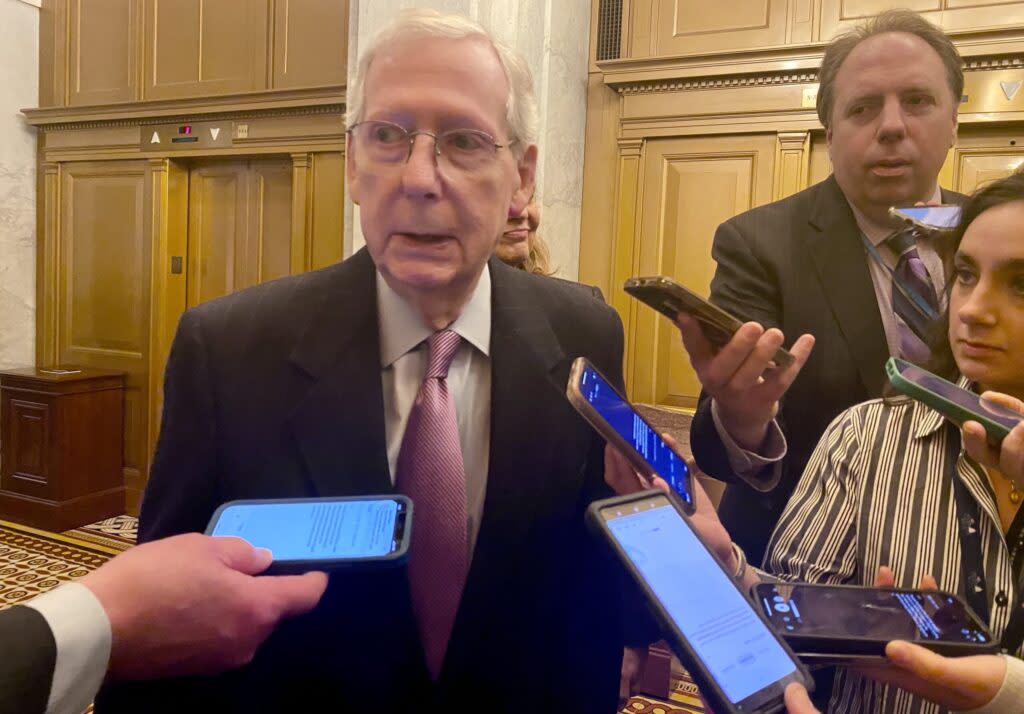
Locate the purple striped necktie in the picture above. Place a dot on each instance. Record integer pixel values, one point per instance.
(431, 473)
(912, 273)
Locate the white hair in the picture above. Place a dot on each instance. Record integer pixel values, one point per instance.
(520, 107)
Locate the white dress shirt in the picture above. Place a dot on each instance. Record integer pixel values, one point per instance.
(403, 361)
(81, 631)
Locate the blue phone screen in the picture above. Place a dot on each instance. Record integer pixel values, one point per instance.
(637, 432)
(314, 530)
(937, 216)
(735, 645)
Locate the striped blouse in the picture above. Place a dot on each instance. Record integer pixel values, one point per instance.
(876, 492)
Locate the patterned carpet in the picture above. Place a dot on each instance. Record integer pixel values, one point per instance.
(33, 561)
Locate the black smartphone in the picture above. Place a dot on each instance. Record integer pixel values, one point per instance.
(953, 402)
(321, 533)
(928, 218)
(670, 298)
(739, 662)
(846, 622)
(621, 425)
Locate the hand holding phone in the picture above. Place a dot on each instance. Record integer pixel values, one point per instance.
(955, 403)
(725, 643)
(621, 425)
(846, 623)
(670, 298)
(321, 533)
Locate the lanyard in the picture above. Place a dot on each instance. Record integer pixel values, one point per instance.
(920, 304)
(972, 562)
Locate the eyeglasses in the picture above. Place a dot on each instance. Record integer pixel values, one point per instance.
(387, 143)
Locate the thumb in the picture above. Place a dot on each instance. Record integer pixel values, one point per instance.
(293, 594)
(884, 578)
(242, 556)
(924, 663)
(798, 701)
(928, 583)
(1004, 400)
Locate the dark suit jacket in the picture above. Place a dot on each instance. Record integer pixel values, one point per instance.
(797, 264)
(28, 655)
(276, 392)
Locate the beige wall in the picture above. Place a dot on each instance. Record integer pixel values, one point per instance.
(19, 71)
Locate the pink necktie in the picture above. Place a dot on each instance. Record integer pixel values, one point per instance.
(431, 473)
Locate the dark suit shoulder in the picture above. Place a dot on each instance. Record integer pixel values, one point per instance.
(763, 222)
(29, 658)
(566, 302)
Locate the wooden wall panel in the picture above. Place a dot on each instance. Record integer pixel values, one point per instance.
(103, 57)
(270, 197)
(689, 186)
(683, 27)
(205, 47)
(310, 42)
(328, 230)
(103, 278)
(951, 15)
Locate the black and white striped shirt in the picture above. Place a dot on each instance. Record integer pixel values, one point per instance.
(876, 492)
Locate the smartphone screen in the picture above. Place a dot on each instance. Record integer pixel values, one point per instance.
(870, 613)
(315, 529)
(961, 397)
(735, 645)
(637, 432)
(937, 216)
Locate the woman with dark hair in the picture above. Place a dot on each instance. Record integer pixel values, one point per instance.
(890, 484)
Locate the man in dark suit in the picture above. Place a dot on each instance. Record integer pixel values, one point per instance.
(312, 385)
(125, 621)
(888, 98)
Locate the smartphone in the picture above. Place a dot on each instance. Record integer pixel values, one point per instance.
(928, 218)
(956, 404)
(618, 422)
(670, 298)
(840, 622)
(321, 533)
(739, 662)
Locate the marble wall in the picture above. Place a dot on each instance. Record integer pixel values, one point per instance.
(19, 82)
(553, 36)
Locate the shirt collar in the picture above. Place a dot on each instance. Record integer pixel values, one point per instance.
(925, 421)
(402, 330)
(877, 233)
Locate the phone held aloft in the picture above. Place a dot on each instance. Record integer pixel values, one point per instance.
(305, 534)
(838, 624)
(958, 405)
(726, 644)
(670, 298)
(615, 419)
(927, 219)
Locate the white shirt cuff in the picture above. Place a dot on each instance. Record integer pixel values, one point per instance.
(751, 466)
(1009, 697)
(81, 630)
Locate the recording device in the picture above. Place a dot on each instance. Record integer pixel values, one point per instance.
(321, 533)
(956, 404)
(928, 219)
(840, 623)
(670, 298)
(618, 422)
(739, 662)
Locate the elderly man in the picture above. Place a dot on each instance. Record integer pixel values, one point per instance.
(423, 366)
(827, 263)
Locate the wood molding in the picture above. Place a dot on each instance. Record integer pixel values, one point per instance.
(792, 163)
(47, 322)
(228, 105)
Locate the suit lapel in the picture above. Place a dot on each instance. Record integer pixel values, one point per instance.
(339, 423)
(833, 241)
(525, 395)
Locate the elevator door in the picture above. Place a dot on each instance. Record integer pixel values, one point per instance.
(239, 225)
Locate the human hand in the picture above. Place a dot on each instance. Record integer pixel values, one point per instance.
(623, 478)
(189, 605)
(1008, 457)
(798, 701)
(958, 683)
(740, 378)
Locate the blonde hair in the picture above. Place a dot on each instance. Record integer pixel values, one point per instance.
(538, 256)
(521, 105)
